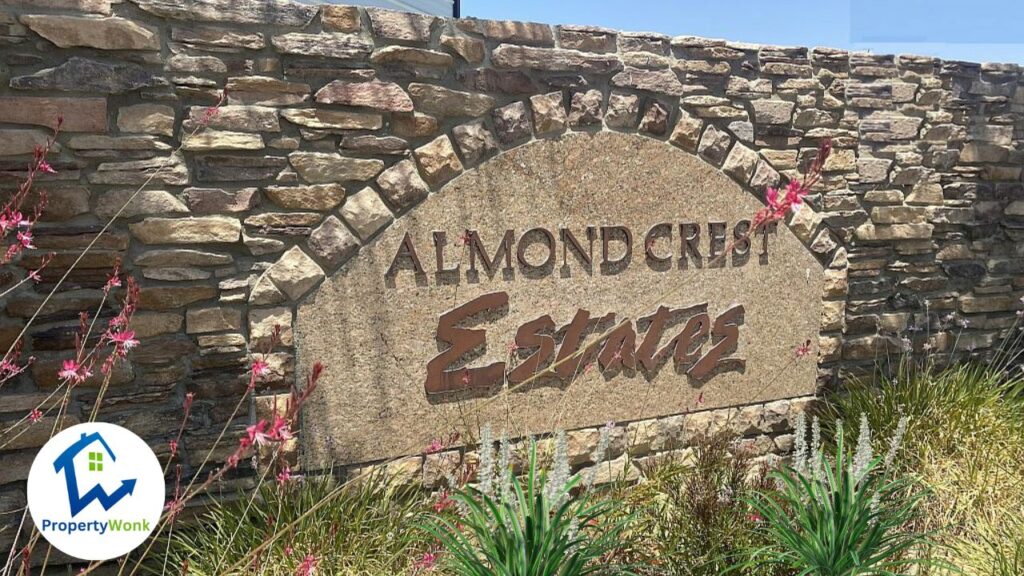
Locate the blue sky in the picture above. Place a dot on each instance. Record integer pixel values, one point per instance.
(975, 30)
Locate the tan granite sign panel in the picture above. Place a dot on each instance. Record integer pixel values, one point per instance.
(469, 308)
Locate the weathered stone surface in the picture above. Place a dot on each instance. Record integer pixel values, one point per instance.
(91, 6)
(415, 125)
(91, 32)
(869, 231)
(554, 60)
(438, 162)
(369, 144)
(373, 94)
(623, 110)
(491, 80)
(401, 25)
(265, 12)
(714, 145)
(326, 45)
(234, 118)
(181, 257)
(771, 111)
(469, 49)
(442, 101)
(511, 122)
(740, 163)
(170, 170)
(64, 204)
(661, 81)
(171, 297)
(475, 141)
(212, 319)
(146, 119)
(319, 168)
(412, 56)
(973, 304)
(530, 33)
(295, 273)
(127, 143)
(655, 119)
(220, 39)
(548, 112)
(208, 139)
(402, 186)
(149, 324)
(80, 114)
(237, 168)
(585, 108)
(218, 201)
(211, 229)
(366, 213)
(340, 18)
(332, 120)
(266, 91)
(19, 141)
(587, 38)
(153, 202)
(516, 189)
(263, 322)
(332, 242)
(314, 197)
(84, 75)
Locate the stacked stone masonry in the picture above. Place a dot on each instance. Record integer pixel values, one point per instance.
(338, 120)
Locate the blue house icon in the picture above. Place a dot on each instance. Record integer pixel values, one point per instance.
(66, 463)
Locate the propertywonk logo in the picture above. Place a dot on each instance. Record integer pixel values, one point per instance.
(96, 491)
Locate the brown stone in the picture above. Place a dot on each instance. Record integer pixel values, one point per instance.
(442, 101)
(391, 315)
(21, 141)
(93, 6)
(266, 91)
(324, 45)
(91, 32)
(262, 12)
(411, 56)
(80, 114)
(149, 324)
(548, 112)
(714, 145)
(475, 141)
(587, 38)
(771, 111)
(178, 257)
(220, 39)
(469, 49)
(295, 273)
(406, 26)
(366, 213)
(84, 75)
(554, 60)
(661, 81)
(415, 125)
(369, 144)
(131, 203)
(171, 171)
(438, 162)
(208, 139)
(402, 186)
(234, 118)
(529, 33)
(313, 197)
(146, 119)
(212, 319)
(623, 111)
(64, 204)
(585, 108)
(333, 120)
(374, 94)
(655, 120)
(340, 18)
(170, 297)
(741, 163)
(263, 321)
(187, 230)
(320, 168)
(511, 123)
(332, 242)
(491, 80)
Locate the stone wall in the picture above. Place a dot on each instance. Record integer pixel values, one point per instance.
(339, 120)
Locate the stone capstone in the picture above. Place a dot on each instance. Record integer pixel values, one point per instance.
(264, 12)
(326, 45)
(92, 32)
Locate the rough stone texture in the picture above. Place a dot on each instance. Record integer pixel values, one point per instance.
(266, 12)
(373, 94)
(623, 111)
(553, 60)
(511, 123)
(475, 141)
(85, 75)
(101, 33)
(402, 186)
(340, 18)
(585, 108)
(411, 56)
(366, 213)
(314, 197)
(319, 168)
(223, 140)
(401, 25)
(80, 114)
(138, 203)
(548, 112)
(661, 81)
(332, 120)
(295, 273)
(655, 120)
(187, 230)
(469, 49)
(441, 101)
(332, 242)
(714, 145)
(592, 170)
(146, 119)
(438, 161)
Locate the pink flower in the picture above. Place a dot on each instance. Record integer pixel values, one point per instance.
(35, 415)
(466, 378)
(513, 347)
(173, 444)
(285, 476)
(307, 566)
(34, 276)
(279, 430)
(25, 238)
(257, 434)
(45, 167)
(443, 502)
(114, 281)
(426, 562)
(435, 446)
(288, 550)
(803, 349)
(73, 373)
(260, 368)
(123, 341)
